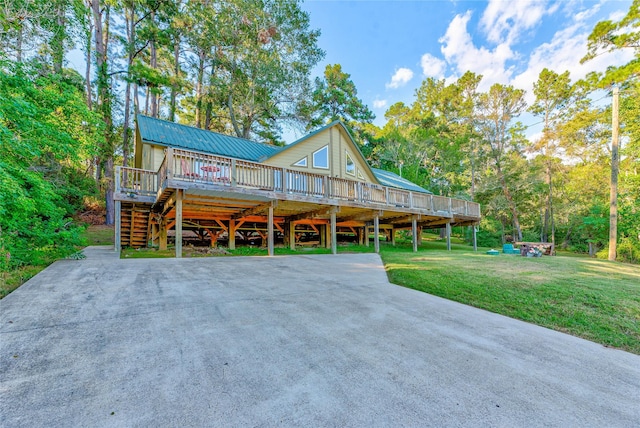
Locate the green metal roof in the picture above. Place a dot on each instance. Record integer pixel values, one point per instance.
(162, 132)
(387, 178)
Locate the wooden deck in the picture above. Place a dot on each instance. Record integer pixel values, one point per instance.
(217, 194)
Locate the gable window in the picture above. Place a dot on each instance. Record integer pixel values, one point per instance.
(350, 165)
(301, 162)
(360, 176)
(321, 158)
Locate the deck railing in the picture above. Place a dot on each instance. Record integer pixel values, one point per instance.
(184, 165)
(136, 181)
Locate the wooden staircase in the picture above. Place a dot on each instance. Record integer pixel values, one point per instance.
(134, 224)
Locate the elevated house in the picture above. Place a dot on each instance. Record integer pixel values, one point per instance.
(223, 187)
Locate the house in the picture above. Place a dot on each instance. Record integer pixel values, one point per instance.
(218, 186)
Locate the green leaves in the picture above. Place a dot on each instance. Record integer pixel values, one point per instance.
(45, 132)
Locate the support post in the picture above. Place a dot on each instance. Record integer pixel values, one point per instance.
(232, 234)
(376, 233)
(118, 229)
(162, 244)
(475, 239)
(448, 232)
(292, 235)
(334, 234)
(393, 236)
(270, 231)
(366, 235)
(414, 233)
(179, 223)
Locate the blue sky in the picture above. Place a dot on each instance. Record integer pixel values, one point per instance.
(390, 47)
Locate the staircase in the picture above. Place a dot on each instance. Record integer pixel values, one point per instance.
(134, 224)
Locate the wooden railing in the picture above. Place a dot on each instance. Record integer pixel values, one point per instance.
(184, 165)
(136, 181)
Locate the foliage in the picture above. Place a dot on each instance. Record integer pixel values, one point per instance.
(335, 98)
(46, 135)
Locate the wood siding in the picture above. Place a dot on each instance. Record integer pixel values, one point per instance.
(339, 144)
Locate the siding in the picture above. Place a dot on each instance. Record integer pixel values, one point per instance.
(339, 144)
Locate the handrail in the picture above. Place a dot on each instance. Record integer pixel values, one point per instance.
(136, 181)
(185, 165)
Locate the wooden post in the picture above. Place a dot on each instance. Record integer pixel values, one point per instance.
(366, 235)
(334, 235)
(414, 233)
(448, 232)
(232, 234)
(234, 173)
(475, 240)
(178, 223)
(118, 229)
(169, 158)
(292, 235)
(376, 233)
(162, 244)
(270, 231)
(361, 236)
(393, 235)
(322, 231)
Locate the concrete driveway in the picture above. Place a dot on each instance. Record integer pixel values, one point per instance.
(286, 341)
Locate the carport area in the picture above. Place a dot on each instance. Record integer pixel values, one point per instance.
(318, 340)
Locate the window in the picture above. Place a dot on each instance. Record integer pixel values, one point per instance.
(301, 162)
(350, 165)
(360, 176)
(321, 158)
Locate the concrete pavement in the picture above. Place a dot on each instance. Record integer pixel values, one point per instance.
(286, 341)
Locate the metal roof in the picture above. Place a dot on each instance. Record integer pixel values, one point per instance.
(165, 133)
(162, 132)
(387, 178)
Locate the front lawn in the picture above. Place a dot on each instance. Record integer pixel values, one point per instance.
(594, 299)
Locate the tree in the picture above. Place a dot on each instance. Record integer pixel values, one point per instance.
(336, 98)
(553, 93)
(498, 108)
(47, 137)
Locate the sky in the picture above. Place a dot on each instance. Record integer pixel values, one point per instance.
(389, 47)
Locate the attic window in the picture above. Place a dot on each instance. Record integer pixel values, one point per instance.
(350, 165)
(360, 176)
(321, 158)
(301, 162)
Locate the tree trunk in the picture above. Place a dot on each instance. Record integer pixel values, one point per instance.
(512, 205)
(176, 75)
(19, 38)
(153, 62)
(59, 36)
(101, 38)
(232, 115)
(126, 131)
(199, 85)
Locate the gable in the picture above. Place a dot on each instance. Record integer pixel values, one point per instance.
(344, 159)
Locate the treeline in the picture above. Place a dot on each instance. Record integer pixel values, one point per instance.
(243, 67)
(458, 141)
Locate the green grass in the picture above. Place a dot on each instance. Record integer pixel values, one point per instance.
(188, 251)
(594, 299)
(98, 235)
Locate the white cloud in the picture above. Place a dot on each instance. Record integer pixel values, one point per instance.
(432, 66)
(400, 78)
(379, 103)
(564, 51)
(505, 21)
(459, 51)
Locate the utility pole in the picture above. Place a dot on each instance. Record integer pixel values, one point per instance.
(613, 204)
